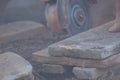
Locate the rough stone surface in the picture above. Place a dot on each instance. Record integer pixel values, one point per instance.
(96, 43)
(109, 73)
(86, 73)
(44, 58)
(53, 69)
(14, 67)
(19, 30)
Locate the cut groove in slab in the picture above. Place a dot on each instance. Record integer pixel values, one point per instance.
(44, 58)
(97, 43)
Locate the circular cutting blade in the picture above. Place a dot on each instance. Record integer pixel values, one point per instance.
(73, 15)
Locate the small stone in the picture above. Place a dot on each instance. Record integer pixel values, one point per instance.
(14, 67)
(53, 69)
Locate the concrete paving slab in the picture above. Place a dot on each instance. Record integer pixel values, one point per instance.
(14, 67)
(96, 43)
(45, 58)
(20, 29)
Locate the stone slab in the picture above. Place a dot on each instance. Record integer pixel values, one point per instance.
(53, 69)
(97, 43)
(86, 73)
(20, 29)
(45, 58)
(14, 67)
(110, 73)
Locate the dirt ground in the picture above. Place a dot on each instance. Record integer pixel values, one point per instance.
(25, 48)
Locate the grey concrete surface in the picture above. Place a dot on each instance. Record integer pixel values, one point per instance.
(96, 43)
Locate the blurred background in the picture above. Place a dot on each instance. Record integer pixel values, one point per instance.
(18, 10)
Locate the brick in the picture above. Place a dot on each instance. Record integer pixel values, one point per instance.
(96, 43)
(14, 67)
(45, 58)
(53, 69)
